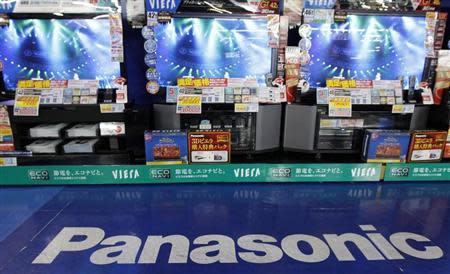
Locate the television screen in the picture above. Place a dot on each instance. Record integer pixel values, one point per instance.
(368, 47)
(57, 50)
(212, 48)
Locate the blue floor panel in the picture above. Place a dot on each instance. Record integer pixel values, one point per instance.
(33, 218)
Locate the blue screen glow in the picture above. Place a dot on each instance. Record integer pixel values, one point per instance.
(57, 50)
(368, 48)
(212, 48)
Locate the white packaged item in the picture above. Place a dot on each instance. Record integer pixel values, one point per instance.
(43, 146)
(47, 130)
(112, 128)
(83, 130)
(80, 146)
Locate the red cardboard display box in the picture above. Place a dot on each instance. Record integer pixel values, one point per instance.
(427, 146)
(209, 147)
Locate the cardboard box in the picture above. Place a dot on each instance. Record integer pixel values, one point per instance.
(447, 145)
(166, 147)
(427, 146)
(447, 150)
(209, 147)
(385, 146)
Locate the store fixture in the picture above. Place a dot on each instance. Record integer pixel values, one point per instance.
(51, 61)
(111, 146)
(250, 132)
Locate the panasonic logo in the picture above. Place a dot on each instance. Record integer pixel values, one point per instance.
(253, 248)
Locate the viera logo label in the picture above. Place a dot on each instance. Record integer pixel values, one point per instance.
(247, 172)
(222, 249)
(162, 4)
(125, 174)
(363, 172)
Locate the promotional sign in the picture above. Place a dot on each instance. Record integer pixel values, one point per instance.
(417, 172)
(426, 5)
(267, 6)
(447, 146)
(136, 13)
(122, 94)
(171, 94)
(116, 32)
(340, 106)
(53, 92)
(427, 146)
(293, 9)
(26, 105)
(209, 147)
(164, 147)
(273, 28)
(341, 83)
(202, 82)
(213, 95)
(189, 104)
(34, 84)
(385, 146)
(6, 134)
(226, 173)
(447, 150)
(283, 31)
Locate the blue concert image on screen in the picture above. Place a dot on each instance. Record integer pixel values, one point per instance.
(367, 47)
(57, 49)
(212, 48)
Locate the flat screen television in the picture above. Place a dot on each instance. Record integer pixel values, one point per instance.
(212, 48)
(368, 47)
(58, 49)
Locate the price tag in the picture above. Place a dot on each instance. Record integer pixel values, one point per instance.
(189, 104)
(340, 106)
(403, 109)
(9, 161)
(27, 105)
(112, 108)
(319, 16)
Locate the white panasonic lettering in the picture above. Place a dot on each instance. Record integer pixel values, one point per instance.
(63, 242)
(271, 253)
(320, 251)
(178, 254)
(400, 241)
(224, 247)
(253, 248)
(127, 251)
(339, 247)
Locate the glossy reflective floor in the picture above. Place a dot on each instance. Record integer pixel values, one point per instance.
(30, 218)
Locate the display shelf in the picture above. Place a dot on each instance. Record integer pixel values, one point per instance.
(67, 114)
